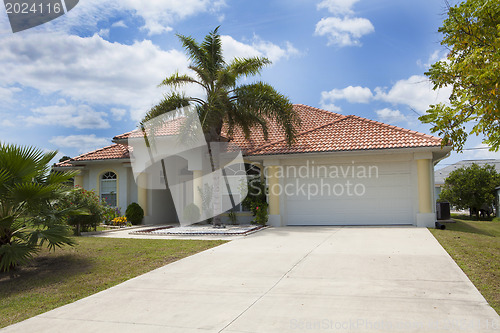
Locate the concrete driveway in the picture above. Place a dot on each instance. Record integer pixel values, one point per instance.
(309, 279)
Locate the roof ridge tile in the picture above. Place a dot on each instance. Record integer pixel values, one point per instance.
(93, 151)
(402, 129)
(320, 110)
(342, 117)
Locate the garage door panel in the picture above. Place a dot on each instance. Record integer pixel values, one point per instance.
(385, 199)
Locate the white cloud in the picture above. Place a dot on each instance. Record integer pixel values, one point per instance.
(7, 93)
(351, 94)
(438, 55)
(158, 15)
(83, 143)
(103, 33)
(94, 71)
(6, 123)
(257, 48)
(119, 24)
(344, 31)
(118, 114)
(80, 116)
(416, 92)
(91, 69)
(330, 107)
(337, 6)
(387, 115)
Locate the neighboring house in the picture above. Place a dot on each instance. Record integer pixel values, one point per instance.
(341, 170)
(441, 174)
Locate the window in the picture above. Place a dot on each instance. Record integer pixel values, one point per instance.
(108, 188)
(234, 171)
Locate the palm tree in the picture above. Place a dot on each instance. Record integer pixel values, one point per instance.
(226, 102)
(29, 192)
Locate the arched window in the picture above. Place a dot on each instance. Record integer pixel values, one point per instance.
(108, 188)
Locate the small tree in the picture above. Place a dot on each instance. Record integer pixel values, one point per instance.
(471, 187)
(88, 201)
(471, 34)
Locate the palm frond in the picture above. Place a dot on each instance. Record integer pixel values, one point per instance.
(212, 45)
(171, 102)
(195, 52)
(58, 177)
(176, 80)
(248, 66)
(55, 236)
(15, 253)
(264, 99)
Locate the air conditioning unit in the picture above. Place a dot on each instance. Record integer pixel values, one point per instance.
(443, 210)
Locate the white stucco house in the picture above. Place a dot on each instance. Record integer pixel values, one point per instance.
(341, 170)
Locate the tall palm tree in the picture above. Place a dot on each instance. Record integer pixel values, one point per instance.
(28, 196)
(226, 102)
(245, 106)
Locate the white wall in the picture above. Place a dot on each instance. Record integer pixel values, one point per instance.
(94, 172)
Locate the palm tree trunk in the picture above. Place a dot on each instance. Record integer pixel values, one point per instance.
(214, 164)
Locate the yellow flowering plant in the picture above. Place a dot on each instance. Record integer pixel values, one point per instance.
(119, 221)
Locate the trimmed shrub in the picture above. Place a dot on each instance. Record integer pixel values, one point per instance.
(134, 213)
(261, 213)
(191, 213)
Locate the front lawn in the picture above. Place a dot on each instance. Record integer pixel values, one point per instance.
(475, 247)
(56, 278)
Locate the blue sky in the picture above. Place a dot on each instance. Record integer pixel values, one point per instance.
(74, 83)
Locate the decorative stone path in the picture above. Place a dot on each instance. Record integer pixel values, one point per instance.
(229, 230)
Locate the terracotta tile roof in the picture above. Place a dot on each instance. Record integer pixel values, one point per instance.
(63, 164)
(311, 118)
(349, 133)
(114, 151)
(320, 131)
(170, 127)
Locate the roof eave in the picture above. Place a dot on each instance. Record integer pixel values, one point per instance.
(436, 148)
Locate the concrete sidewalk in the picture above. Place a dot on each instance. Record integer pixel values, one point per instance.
(310, 279)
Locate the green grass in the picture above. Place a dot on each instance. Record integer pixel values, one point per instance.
(470, 218)
(53, 279)
(475, 247)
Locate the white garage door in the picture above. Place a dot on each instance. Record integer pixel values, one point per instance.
(350, 194)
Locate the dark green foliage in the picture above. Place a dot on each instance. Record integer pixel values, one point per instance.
(256, 200)
(29, 195)
(471, 187)
(88, 201)
(134, 213)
